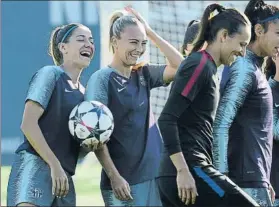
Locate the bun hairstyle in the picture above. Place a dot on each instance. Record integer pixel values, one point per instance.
(258, 12)
(190, 34)
(229, 19)
(118, 22)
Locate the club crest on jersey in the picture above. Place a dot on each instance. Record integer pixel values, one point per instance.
(142, 80)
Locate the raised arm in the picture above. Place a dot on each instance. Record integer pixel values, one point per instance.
(240, 83)
(173, 56)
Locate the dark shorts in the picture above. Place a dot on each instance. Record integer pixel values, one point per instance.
(214, 189)
(144, 194)
(30, 182)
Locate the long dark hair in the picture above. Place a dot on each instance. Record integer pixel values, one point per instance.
(229, 19)
(190, 34)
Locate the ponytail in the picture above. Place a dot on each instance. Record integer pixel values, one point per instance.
(53, 47)
(112, 30)
(205, 25)
(259, 12)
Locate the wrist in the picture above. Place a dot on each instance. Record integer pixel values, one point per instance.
(183, 169)
(54, 163)
(113, 175)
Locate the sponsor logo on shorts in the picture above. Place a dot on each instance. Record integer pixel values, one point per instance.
(37, 193)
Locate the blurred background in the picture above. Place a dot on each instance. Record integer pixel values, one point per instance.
(26, 29)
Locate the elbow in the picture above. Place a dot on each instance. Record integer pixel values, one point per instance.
(27, 125)
(166, 120)
(177, 61)
(23, 127)
(163, 121)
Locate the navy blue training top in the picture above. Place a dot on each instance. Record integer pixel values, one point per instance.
(274, 177)
(135, 144)
(243, 125)
(51, 88)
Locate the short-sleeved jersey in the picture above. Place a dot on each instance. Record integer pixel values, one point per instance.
(50, 87)
(243, 125)
(274, 177)
(196, 81)
(135, 143)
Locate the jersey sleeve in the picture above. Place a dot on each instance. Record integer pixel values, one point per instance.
(42, 85)
(187, 84)
(275, 93)
(240, 82)
(156, 73)
(174, 107)
(191, 76)
(97, 86)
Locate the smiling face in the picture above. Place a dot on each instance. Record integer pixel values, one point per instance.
(131, 45)
(79, 49)
(269, 40)
(234, 45)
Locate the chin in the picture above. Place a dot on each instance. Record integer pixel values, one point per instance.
(131, 64)
(83, 64)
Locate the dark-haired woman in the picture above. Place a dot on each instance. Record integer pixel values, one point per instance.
(187, 118)
(189, 37)
(272, 74)
(44, 163)
(244, 119)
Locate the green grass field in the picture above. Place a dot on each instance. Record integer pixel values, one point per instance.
(87, 180)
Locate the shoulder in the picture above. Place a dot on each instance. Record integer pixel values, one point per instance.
(47, 75)
(100, 77)
(103, 73)
(196, 61)
(51, 70)
(242, 65)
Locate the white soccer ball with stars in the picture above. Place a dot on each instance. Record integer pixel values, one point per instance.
(91, 120)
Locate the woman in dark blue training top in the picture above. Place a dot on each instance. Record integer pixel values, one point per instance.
(131, 158)
(44, 163)
(187, 175)
(272, 74)
(242, 129)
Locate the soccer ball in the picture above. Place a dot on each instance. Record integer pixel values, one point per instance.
(91, 120)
